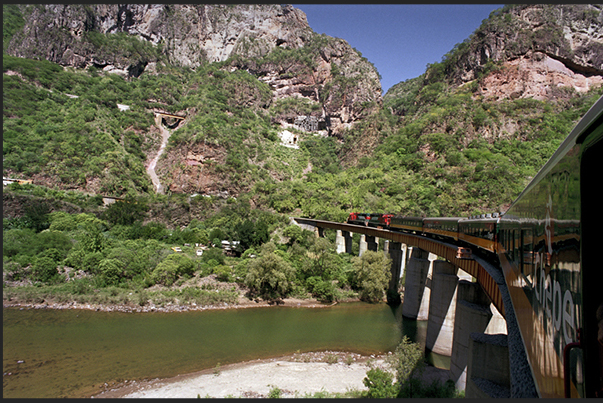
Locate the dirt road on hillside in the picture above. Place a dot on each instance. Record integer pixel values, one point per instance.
(165, 135)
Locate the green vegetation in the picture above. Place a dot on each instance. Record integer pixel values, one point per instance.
(433, 148)
(402, 378)
(75, 256)
(12, 21)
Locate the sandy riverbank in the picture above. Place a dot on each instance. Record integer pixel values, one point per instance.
(296, 376)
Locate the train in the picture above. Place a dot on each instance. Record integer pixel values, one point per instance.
(479, 231)
(546, 245)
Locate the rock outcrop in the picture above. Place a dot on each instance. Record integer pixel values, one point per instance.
(134, 38)
(188, 34)
(536, 50)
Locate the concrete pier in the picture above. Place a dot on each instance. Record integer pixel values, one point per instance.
(372, 243)
(442, 308)
(339, 242)
(417, 288)
(319, 232)
(347, 236)
(396, 254)
(404, 259)
(488, 370)
(472, 315)
(363, 246)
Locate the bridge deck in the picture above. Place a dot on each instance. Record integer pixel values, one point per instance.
(488, 279)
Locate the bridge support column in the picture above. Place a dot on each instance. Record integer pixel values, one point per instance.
(339, 242)
(320, 232)
(417, 287)
(442, 308)
(347, 236)
(488, 371)
(372, 243)
(473, 314)
(404, 258)
(363, 245)
(397, 255)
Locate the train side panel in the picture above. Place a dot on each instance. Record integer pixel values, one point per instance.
(480, 232)
(407, 224)
(540, 251)
(442, 227)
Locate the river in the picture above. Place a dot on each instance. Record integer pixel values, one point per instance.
(71, 353)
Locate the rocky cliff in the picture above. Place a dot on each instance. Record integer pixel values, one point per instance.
(533, 51)
(131, 39)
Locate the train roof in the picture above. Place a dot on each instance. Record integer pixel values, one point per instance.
(575, 137)
(493, 217)
(443, 218)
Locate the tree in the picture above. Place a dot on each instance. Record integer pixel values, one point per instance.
(407, 360)
(125, 212)
(325, 260)
(261, 234)
(270, 275)
(372, 275)
(171, 268)
(245, 233)
(38, 214)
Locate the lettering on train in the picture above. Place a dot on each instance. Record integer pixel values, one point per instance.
(557, 304)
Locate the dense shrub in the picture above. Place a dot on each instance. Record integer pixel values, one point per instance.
(171, 268)
(15, 241)
(380, 384)
(45, 269)
(110, 271)
(215, 254)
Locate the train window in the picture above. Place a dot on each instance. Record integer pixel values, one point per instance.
(520, 251)
(513, 244)
(527, 249)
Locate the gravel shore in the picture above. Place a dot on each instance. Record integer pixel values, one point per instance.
(296, 376)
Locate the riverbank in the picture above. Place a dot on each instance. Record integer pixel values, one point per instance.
(324, 374)
(195, 294)
(243, 302)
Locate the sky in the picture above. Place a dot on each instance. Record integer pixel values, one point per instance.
(399, 39)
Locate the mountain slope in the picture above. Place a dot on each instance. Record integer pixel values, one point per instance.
(462, 138)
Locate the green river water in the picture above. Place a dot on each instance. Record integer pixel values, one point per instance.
(70, 353)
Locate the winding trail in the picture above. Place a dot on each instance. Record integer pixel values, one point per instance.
(165, 135)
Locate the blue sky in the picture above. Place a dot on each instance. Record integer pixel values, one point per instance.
(399, 39)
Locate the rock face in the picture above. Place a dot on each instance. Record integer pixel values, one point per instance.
(344, 84)
(541, 48)
(188, 34)
(537, 76)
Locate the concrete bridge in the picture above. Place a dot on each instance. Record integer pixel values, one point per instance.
(465, 301)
